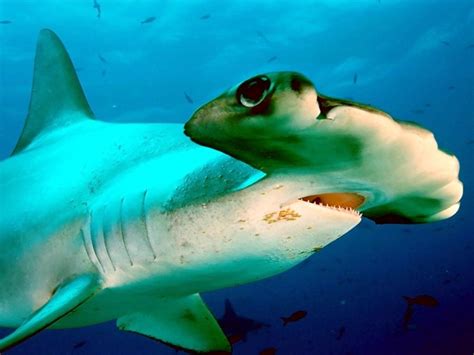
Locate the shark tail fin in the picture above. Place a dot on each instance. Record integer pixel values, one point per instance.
(57, 99)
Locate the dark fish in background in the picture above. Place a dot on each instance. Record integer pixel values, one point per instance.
(235, 326)
(427, 105)
(5, 22)
(102, 59)
(97, 7)
(354, 79)
(188, 98)
(272, 59)
(422, 300)
(470, 46)
(455, 278)
(235, 338)
(262, 36)
(148, 20)
(79, 344)
(296, 316)
(340, 333)
(205, 17)
(417, 111)
(451, 87)
(268, 351)
(104, 72)
(446, 43)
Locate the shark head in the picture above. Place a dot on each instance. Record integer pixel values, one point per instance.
(335, 152)
(259, 120)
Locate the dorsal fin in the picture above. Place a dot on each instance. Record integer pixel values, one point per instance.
(57, 99)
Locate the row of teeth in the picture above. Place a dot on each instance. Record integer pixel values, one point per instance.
(339, 208)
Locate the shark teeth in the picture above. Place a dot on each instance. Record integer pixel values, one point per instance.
(343, 209)
(338, 208)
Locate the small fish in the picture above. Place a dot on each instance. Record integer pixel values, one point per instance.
(422, 300)
(205, 17)
(79, 344)
(446, 43)
(97, 7)
(296, 316)
(470, 46)
(104, 72)
(272, 59)
(262, 36)
(102, 59)
(417, 111)
(235, 338)
(340, 333)
(268, 351)
(427, 105)
(451, 87)
(354, 79)
(148, 20)
(188, 98)
(5, 22)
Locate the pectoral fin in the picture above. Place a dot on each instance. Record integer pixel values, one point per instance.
(185, 322)
(67, 297)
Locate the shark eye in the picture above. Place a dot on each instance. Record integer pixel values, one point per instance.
(253, 91)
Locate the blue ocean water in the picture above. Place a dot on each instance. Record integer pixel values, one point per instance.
(413, 59)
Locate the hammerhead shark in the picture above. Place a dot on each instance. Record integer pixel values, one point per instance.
(102, 221)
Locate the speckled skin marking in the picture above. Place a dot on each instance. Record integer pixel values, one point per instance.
(283, 215)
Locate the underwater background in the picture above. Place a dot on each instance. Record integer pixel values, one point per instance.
(158, 61)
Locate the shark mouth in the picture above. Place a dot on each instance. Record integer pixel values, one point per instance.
(341, 201)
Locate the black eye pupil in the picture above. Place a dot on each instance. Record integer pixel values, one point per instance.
(253, 91)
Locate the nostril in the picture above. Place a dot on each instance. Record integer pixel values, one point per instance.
(296, 84)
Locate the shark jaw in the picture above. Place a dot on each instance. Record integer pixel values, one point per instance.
(265, 230)
(341, 201)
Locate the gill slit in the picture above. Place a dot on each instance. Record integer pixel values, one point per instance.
(147, 233)
(85, 246)
(93, 243)
(123, 233)
(106, 243)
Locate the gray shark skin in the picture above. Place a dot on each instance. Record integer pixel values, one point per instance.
(104, 221)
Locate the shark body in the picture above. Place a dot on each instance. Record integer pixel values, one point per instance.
(105, 221)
